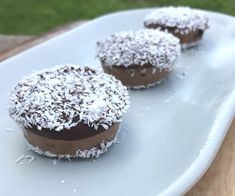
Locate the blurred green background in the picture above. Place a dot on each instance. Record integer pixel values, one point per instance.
(32, 17)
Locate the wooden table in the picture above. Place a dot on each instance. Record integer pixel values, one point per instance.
(219, 180)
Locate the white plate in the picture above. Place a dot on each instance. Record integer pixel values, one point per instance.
(169, 136)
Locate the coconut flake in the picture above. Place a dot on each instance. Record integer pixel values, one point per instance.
(160, 49)
(184, 19)
(9, 129)
(140, 87)
(60, 97)
(25, 159)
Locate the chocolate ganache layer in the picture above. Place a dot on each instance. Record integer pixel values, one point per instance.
(137, 76)
(80, 131)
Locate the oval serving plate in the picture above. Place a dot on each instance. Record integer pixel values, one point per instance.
(169, 136)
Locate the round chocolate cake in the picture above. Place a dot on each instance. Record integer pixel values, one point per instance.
(139, 59)
(183, 22)
(69, 111)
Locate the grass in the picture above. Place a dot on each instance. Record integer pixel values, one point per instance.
(32, 17)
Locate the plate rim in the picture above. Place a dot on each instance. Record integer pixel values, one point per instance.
(225, 114)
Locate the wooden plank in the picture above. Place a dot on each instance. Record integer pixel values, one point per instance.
(35, 41)
(8, 42)
(219, 180)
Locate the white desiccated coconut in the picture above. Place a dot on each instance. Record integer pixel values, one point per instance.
(160, 49)
(94, 152)
(25, 158)
(61, 97)
(9, 129)
(140, 87)
(184, 19)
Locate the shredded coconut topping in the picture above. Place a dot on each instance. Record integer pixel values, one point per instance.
(184, 19)
(160, 49)
(61, 97)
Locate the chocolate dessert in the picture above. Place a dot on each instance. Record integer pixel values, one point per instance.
(183, 22)
(139, 59)
(69, 111)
